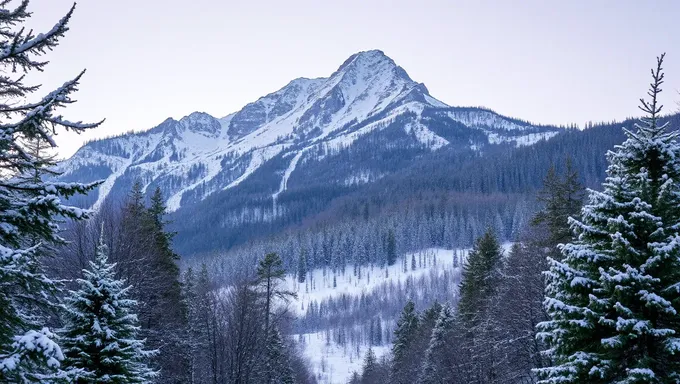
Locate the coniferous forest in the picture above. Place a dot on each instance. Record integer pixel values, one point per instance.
(512, 264)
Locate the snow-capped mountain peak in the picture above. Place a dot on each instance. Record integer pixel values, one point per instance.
(306, 121)
(201, 122)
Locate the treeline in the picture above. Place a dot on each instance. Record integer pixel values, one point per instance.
(447, 222)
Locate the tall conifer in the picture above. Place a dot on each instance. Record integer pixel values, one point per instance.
(614, 299)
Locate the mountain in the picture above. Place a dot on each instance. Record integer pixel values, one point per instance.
(315, 137)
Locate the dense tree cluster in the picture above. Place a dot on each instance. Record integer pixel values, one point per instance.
(236, 334)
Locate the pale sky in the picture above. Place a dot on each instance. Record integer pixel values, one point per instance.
(551, 62)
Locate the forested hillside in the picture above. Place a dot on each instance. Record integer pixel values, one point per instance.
(349, 229)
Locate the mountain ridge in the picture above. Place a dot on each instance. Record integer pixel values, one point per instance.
(305, 121)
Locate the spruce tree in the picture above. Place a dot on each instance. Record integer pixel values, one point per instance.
(29, 203)
(433, 369)
(277, 368)
(478, 283)
(391, 248)
(614, 300)
(101, 334)
(404, 337)
(169, 312)
(370, 368)
(302, 267)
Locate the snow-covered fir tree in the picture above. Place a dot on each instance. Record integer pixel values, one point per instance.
(433, 371)
(369, 367)
(614, 299)
(101, 334)
(276, 368)
(478, 283)
(29, 203)
(404, 336)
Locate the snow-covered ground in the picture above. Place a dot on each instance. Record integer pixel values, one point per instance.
(323, 284)
(334, 363)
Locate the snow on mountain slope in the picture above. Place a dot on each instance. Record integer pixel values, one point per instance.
(199, 155)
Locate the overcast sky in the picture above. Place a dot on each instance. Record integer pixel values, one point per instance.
(545, 61)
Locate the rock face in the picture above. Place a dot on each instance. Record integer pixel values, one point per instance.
(357, 117)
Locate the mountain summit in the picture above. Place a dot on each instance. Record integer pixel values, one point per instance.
(367, 108)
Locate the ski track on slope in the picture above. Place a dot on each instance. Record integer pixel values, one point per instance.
(106, 186)
(286, 175)
(259, 157)
(210, 159)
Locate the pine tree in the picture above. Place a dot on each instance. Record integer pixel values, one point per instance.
(29, 204)
(433, 369)
(614, 300)
(101, 334)
(270, 274)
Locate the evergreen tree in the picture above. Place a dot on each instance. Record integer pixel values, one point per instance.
(277, 368)
(391, 248)
(614, 301)
(302, 267)
(434, 369)
(404, 336)
(101, 335)
(561, 198)
(370, 368)
(29, 204)
(478, 283)
(168, 314)
(270, 274)
(507, 340)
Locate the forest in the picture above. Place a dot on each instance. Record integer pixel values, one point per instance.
(487, 274)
